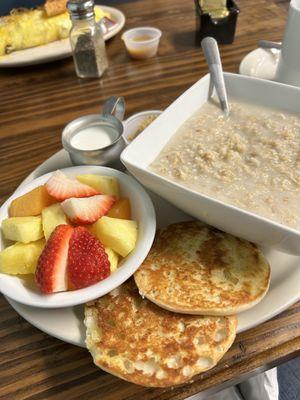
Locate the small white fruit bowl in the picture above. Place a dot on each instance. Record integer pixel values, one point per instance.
(26, 292)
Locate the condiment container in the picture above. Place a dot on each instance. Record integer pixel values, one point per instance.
(221, 29)
(86, 38)
(142, 42)
(96, 139)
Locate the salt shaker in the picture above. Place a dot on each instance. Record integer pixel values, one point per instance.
(86, 40)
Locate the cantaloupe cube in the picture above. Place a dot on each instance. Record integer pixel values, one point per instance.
(52, 216)
(22, 229)
(31, 203)
(21, 258)
(121, 209)
(113, 258)
(104, 184)
(118, 234)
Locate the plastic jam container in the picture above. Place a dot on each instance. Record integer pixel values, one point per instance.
(142, 42)
(222, 29)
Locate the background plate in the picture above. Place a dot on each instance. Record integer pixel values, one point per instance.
(55, 50)
(67, 323)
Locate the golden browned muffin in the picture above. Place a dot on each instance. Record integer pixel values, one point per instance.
(134, 339)
(196, 269)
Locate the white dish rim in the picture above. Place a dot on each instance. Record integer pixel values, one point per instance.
(61, 159)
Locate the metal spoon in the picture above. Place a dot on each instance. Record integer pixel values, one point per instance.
(211, 52)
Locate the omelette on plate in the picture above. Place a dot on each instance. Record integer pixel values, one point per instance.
(25, 28)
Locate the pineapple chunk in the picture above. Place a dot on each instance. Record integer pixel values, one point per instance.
(31, 203)
(121, 209)
(21, 258)
(118, 234)
(52, 216)
(104, 184)
(113, 258)
(23, 229)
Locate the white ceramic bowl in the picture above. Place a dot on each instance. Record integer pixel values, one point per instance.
(142, 211)
(144, 149)
(132, 124)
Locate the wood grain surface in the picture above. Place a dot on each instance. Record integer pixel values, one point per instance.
(35, 104)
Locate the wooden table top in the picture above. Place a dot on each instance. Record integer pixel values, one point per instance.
(35, 103)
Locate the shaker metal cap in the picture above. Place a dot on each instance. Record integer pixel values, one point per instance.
(81, 9)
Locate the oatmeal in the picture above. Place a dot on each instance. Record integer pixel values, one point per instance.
(250, 159)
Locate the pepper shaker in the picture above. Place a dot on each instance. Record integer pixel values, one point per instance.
(86, 39)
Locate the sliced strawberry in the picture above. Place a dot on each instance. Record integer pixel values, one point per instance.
(50, 273)
(87, 260)
(88, 210)
(61, 187)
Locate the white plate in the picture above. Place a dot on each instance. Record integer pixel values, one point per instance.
(58, 49)
(260, 63)
(142, 151)
(67, 323)
(142, 212)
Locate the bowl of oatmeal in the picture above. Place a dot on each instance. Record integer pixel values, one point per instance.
(241, 173)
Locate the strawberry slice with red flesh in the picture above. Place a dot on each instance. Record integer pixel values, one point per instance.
(87, 210)
(51, 269)
(61, 187)
(87, 260)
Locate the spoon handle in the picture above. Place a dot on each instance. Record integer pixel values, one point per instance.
(211, 52)
(114, 105)
(267, 44)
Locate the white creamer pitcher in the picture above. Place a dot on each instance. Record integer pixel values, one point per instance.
(288, 70)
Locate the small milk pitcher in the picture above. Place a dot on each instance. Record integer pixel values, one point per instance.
(288, 70)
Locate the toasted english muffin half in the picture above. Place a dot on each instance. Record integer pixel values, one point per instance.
(134, 339)
(194, 268)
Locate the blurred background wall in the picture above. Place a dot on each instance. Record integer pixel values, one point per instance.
(7, 5)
